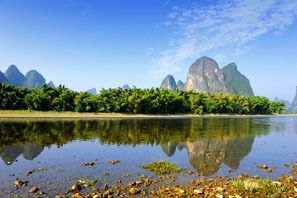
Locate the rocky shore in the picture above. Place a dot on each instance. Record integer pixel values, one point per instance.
(162, 185)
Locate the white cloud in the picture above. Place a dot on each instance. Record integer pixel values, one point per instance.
(227, 23)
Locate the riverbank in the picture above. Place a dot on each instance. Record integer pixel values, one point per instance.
(68, 114)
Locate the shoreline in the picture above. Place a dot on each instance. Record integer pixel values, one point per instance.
(153, 186)
(5, 114)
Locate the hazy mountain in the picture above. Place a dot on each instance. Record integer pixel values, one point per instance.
(205, 76)
(293, 108)
(124, 87)
(34, 79)
(14, 76)
(92, 91)
(51, 84)
(287, 103)
(169, 83)
(3, 79)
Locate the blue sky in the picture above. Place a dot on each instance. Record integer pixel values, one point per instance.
(85, 44)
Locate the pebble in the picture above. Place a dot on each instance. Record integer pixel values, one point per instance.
(33, 190)
(75, 188)
(198, 191)
(219, 196)
(269, 170)
(256, 177)
(60, 196)
(220, 189)
(134, 191)
(114, 161)
(88, 164)
(30, 172)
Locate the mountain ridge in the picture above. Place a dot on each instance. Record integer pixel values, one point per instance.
(32, 79)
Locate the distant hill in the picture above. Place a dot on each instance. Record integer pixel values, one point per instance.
(3, 78)
(51, 84)
(125, 87)
(33, 78)
(293, 108)
(92, 91)
(205, 76)
(14, 76)
(169, 83)
(287, 103)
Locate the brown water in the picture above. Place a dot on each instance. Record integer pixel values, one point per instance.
(208, 146)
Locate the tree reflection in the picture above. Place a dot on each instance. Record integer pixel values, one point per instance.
(209, 141)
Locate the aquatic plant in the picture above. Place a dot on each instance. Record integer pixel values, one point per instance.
(266, 187)
(86, 182)
(162, 167)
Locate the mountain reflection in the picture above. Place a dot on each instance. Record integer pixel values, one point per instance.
(209, 141)
(29, 151)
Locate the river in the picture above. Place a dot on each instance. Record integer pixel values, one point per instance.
(57, 149)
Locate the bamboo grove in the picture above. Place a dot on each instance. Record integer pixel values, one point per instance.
(134, 100)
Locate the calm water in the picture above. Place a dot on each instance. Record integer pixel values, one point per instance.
(208, 146)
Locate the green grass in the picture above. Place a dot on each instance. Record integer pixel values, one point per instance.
(162, 167)
(265, 187)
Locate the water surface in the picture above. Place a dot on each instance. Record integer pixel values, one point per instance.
(208, 146)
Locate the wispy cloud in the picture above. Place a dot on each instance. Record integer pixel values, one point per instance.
(201, 28)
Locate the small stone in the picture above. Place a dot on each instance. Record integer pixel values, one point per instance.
(30, 172)
(287, 164)
(88, 164)
(17, 182)
(107, 193)
(256, 177)
(59, 196)
(219, 196)
(118, 181)
(220, 189)
(180, 192)
(198, 191)
(114, 161)
(75, 188)
(152, 193)
(190, 173)
(33, 190)
(134, 191)
(269, 170)
(264, 166)
(41, 193)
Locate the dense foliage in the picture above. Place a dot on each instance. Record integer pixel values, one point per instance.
(135, 100)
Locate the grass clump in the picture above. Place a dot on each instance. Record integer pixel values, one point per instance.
(265, 187)
(86, 182)
(162, 167)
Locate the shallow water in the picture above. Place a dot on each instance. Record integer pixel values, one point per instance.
(208, 146)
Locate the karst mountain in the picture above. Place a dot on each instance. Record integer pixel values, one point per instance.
(205, 76)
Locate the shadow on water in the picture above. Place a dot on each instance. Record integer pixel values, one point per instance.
(209, 141)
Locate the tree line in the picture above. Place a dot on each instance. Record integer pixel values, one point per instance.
(134, 100)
